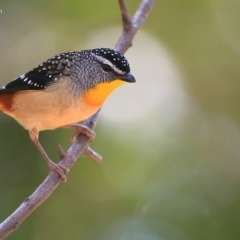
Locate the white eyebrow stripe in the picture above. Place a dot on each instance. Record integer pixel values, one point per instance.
(114, 68)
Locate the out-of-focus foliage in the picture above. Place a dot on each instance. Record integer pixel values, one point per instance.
(170, 142)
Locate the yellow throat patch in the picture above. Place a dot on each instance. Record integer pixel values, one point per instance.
(98, 95)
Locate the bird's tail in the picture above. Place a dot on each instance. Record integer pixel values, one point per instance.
(5, 102)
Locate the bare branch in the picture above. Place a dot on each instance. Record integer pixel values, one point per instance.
(126, 19)
(80, 145)
(93, 155)
(125, 41)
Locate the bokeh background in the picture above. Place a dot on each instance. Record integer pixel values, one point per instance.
(170, 142)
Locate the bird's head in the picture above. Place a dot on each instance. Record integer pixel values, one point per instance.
(100, 71)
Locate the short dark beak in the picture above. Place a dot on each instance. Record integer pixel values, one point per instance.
(128, 78)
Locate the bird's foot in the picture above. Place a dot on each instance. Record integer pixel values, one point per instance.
(81, 129)
(59, 169)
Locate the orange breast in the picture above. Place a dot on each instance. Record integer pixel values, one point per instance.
(98, 95)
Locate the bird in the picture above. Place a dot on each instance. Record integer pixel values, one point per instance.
(62, 91)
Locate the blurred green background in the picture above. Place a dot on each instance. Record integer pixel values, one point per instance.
(170, 142)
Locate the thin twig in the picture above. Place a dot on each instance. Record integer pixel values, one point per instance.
(125, 41)
(130, 28)
(93, 155)
(126, 19)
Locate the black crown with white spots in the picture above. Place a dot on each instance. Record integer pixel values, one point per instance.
(57, 67)
(114, 57)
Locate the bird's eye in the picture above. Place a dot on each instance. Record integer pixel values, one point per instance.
(106, 68)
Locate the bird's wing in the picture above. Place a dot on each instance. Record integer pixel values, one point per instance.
(43, 75)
